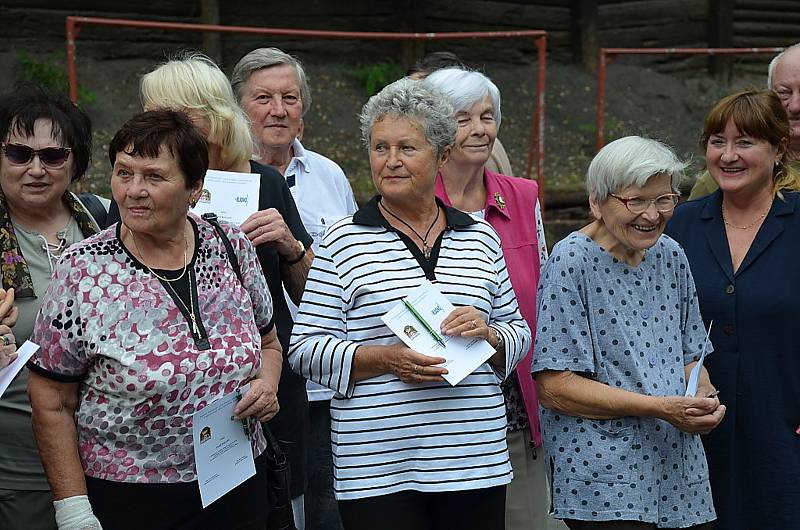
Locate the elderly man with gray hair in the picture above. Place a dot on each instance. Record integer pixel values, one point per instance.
(273, 90)
(783, 78)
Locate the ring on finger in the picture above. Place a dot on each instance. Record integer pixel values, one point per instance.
(6, 340)
(415, 368)
(474, 324)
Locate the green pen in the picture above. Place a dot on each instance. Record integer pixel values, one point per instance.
(438, 338)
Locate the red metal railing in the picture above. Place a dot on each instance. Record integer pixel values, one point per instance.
(606, 54)
(539, 38)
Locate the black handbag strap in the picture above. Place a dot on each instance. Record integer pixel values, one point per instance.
(96, 209)
(212, 218)
(278, 466)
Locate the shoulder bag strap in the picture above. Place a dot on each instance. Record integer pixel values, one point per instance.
(211, 217)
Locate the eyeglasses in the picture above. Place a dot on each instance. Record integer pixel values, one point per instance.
(663, 203)
(21, 155)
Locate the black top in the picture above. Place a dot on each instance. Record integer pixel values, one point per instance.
(290, 425)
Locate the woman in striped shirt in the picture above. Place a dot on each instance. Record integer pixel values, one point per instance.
(410, 451)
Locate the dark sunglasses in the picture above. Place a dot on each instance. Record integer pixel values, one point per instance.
(52, 157)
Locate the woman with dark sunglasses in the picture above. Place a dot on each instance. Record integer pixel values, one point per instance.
(45, 144)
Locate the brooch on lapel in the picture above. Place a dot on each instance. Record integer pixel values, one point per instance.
(498, 199)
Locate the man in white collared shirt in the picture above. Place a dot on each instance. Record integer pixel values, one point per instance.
(272, 89)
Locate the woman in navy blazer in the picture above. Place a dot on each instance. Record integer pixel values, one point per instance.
(743, 245)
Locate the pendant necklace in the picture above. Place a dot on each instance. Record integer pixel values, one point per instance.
(189, 309)
(426, 250)
(168, 281)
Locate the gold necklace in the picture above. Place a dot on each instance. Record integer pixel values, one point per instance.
(189, 309)
(163, 279)
(751, 225)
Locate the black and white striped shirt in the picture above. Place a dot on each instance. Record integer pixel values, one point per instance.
(387, 435)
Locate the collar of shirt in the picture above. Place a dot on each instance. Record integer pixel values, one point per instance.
(300, 162)
(370, 215)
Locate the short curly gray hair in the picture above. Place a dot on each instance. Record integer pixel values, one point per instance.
(415, 101)
(631, 161)
(261, 58)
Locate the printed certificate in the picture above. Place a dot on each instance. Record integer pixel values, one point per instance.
(694, 375)
(222, 451)
(232, 196)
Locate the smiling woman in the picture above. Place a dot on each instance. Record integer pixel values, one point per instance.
(618, 331)
(511, 206)
(742, 244)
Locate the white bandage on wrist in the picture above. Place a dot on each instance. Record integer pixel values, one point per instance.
(75, 513)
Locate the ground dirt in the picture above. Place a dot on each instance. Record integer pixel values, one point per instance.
(640, 100)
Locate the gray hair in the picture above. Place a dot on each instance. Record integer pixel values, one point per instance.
(261, 58)
(464, 88)
(775, 60)
(631, 161)
(415, 101)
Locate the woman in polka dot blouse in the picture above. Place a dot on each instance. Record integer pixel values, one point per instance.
(619, 330)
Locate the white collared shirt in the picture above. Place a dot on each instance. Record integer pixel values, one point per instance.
(320, 189)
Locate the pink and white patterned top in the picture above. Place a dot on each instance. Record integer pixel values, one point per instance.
(108, 323)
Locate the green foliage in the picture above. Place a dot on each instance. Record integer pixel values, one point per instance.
(50, 74)
(613, 129)
(376, 76)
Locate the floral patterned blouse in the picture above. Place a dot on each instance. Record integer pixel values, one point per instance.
(111, 325)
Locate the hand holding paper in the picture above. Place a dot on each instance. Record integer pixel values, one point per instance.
(462, 354)
(7, 374)
(222, 451)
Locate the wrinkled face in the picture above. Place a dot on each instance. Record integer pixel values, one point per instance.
(151, 192)
(403, 163)
(786, 83)
(271, 99)
(740, 163)
(476, 133)
(34, 184)
(635, 231)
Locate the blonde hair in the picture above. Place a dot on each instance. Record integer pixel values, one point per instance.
(760, 114)
(193, 83)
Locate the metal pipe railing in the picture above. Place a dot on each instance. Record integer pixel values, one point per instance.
(607, 54)
(539, 38)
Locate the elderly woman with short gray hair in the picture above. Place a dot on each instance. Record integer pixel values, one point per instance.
(410, 450)
(618, 332)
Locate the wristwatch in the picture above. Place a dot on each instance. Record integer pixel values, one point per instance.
(301, 253)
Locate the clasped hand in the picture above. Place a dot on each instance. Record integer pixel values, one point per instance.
(695, 415)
